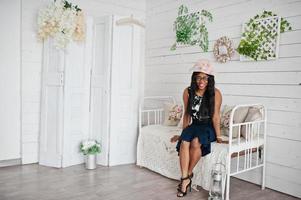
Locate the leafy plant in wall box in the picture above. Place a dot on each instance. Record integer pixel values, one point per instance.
(191, 28)
(259, 38)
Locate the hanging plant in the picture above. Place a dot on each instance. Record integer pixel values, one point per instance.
(191, 28)
(62, 21)
(223, 49)
(260, 36)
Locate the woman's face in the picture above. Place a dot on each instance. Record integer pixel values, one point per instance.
(201, 80)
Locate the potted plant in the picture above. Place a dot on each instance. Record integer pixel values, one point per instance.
(90, 148)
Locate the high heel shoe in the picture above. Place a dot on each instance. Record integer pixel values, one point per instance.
(183, 193)
(180, 185)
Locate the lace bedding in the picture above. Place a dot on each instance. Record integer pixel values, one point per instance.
(157, 153)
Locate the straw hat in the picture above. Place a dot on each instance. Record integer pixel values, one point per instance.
(203, 65)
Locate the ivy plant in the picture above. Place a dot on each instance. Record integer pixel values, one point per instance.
(191, 28)
(257, 36)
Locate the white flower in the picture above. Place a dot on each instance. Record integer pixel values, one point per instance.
(88, 144)
(90, 147)
(61, 23)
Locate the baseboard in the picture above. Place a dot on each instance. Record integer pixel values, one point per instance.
(11, 162)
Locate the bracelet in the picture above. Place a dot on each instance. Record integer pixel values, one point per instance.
(220, 137)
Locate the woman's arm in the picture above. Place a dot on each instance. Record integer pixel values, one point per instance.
(216, 115)
(186, 117)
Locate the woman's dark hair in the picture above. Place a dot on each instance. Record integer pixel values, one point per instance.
(207, 105)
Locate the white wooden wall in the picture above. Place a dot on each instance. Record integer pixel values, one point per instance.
(276, 84)
(32, 61)
(10, 73)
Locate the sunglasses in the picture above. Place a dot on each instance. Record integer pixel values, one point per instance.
(199, 78)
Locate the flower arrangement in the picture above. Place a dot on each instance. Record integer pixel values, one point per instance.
(62, 21)
(175, 113)
(88, 147)
(191, 28)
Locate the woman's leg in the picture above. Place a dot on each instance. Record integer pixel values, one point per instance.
(194, 154)
(184, 158)
(184, 163)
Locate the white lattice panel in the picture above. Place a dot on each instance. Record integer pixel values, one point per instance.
(272, 24)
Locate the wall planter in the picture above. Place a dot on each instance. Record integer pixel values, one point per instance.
(191, 28)
(260, 37)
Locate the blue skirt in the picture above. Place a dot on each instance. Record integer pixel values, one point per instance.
(204, 131)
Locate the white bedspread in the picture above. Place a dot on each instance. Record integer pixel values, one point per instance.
(157, 153)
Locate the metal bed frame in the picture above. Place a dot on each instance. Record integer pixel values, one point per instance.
(245, 154)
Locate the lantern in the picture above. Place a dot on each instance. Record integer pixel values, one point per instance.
(218, 174)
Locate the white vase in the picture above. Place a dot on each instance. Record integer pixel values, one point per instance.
(90, 161)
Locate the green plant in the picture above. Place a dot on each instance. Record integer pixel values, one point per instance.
(90, 147)
(257, 36)
(191, 28)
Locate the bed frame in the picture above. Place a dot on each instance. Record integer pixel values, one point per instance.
(243, 154)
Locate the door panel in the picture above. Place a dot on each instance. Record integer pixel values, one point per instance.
(51, 106)
(76, 102)
(124, 97)
(65, 101)
(100, 84)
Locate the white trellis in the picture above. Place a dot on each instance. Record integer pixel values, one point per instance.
(273, 24)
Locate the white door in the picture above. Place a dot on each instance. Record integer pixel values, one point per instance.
(51, 133)
(126, 61)
(100, 86)
(65, 101)
(76, 98)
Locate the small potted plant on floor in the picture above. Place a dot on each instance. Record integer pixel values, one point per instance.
(90, 148)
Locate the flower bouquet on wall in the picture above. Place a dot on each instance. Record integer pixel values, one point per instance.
(63, 22)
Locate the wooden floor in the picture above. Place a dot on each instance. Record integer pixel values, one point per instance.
(121, 182)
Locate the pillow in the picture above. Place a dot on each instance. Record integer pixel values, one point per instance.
(180, 124)
(239, 117)
(172, 114)
(225, 115)
(254, 114)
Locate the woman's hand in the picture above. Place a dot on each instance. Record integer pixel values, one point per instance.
(219, 140)
(174, 138)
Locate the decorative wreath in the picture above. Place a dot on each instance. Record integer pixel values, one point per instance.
(223, 49)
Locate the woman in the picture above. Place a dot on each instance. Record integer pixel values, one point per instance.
(202, 102)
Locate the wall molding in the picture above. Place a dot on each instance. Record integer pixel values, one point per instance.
(11, 162)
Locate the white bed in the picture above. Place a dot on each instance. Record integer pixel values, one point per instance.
(157, 153)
